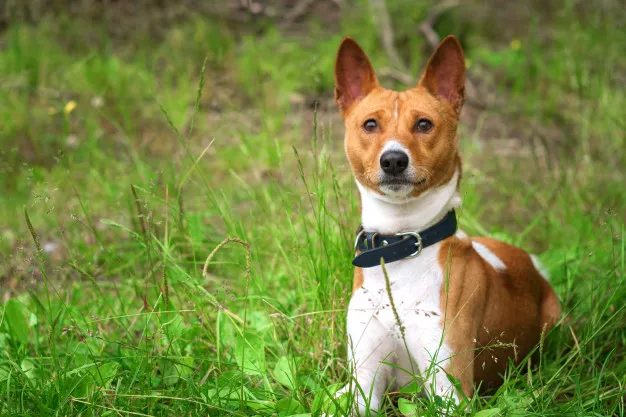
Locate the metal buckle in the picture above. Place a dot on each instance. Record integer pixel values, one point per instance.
(384, 243)
(373, 237)
(418, 243)
(356, 242)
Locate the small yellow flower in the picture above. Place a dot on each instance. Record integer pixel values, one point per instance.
(51, 111)
(515, 44)
(468, 63)
(71, 105)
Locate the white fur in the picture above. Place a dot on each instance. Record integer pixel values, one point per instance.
(491, 258)
(539, 267)
(374, 333)
(395, 112)
(385, 214)
(393, 145)
(461, 234)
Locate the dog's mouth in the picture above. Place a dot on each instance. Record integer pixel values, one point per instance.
(399, 187)
(400, 182)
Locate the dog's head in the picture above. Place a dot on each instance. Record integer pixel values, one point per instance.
(400, 144)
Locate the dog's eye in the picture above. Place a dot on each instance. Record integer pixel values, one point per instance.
(370, 126)
(423, 126)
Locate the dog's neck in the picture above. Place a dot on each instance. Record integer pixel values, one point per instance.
(383, 215)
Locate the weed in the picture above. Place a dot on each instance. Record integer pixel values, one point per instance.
(160, 158)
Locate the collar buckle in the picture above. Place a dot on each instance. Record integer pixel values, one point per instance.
(419, 244)
(356, 241)
(358, 237)
(416, 235)
(397, 246)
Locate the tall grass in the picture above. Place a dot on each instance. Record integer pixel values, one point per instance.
(122, 294)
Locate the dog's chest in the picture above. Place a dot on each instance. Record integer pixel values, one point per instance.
(415, 285)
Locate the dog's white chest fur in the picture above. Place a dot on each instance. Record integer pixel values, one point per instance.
(413, 340)
(415, 286)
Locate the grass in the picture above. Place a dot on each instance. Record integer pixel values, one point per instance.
(123, 294)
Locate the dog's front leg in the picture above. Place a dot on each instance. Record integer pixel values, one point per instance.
(433, 359)
(369, 345)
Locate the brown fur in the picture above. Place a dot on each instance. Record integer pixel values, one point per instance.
(360, 97)
(490, 316)
(358, 279)
(505, 312)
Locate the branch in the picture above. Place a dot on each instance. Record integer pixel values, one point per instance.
(396, 75)
(426, 27)
(298, 10)
(382, 15)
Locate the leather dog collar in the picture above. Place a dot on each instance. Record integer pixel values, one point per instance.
(374, 246)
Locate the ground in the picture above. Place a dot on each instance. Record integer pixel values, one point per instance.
(135, 141)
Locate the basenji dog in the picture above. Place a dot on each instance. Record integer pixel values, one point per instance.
(427, 300)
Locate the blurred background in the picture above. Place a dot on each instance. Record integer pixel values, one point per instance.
(137, 135)
(104, 90)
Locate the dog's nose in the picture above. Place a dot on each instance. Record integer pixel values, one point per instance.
(394, 162)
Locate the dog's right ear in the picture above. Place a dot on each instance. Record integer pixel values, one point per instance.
(354, 75)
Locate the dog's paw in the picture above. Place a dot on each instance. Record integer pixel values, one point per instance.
(342, 391)
(340, 404)
(347, 403)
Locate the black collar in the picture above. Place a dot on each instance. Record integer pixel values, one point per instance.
(391, 248)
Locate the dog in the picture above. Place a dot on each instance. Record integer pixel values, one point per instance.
(427, 300)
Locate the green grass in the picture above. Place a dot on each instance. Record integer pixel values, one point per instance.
(105, 306)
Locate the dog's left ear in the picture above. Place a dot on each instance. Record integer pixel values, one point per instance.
(444, 75)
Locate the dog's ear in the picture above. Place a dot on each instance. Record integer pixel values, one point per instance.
(444, 75)
(354, 75)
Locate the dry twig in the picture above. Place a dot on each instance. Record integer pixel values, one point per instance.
(433, 39)
(399, 76)
(384, 20)
(426, 27)
(297, 11)
(246, 245)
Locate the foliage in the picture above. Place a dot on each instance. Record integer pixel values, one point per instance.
(111, 313)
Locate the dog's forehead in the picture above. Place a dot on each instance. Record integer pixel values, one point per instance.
(418, 99)
(379, 98)
(390, 103)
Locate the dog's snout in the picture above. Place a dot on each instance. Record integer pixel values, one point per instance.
(394, 162)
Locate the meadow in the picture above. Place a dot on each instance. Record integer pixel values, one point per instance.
(178, 213)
